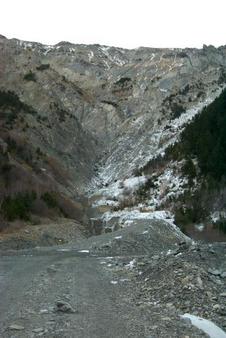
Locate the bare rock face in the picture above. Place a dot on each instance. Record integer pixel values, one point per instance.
(100, 113)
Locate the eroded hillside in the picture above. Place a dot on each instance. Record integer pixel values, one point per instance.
(79, 119)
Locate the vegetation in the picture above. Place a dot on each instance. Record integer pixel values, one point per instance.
(221, 225)
(123, 81)
(205, 138)
(8, 98)
(10, 101)
(189, 169)
(193, 207)
(143, 192)
(177, 110)
(30, 76)
(18, 207)
(50, 199)
(43, 66)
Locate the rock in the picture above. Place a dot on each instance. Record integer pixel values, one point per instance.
(62, 306)
(185, 280)
(222, 311)
(223, 274)
(200, 282)
(223, 294)
(43, 311)
(214, 272)
(216, 307)
(209, 294)
(51, 269)
(218, 281)
(16, 327)
(212, 251)
(38, 330)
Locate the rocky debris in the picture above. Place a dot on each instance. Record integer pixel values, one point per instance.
(62, 306)
(38, 330)
(142, 236)
(171, 285)
(52, 269)
(49, 234)
(16, 327)
(149, 291)
(214, 272)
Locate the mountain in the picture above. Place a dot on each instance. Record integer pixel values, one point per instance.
(102, 133)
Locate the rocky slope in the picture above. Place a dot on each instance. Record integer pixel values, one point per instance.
(91, 117)
(99, 135)
(124, 284)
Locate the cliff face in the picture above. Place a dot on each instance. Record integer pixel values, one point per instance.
(94, 115)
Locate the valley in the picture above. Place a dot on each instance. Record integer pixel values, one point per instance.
(112, 199)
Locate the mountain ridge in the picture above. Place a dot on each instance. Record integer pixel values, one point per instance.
(102, 113)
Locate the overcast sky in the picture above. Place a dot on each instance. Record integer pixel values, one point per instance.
(123, 23)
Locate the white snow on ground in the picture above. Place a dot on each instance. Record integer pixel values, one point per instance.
(211, 329)
(90, 55)
(127, 217)
(134, 182)
(131, 264)
(168, 184)
(113, 58)
(217, 215)
(105, 202)
(152, 56)
(111, 194)
(114, 282)
(147, 146)
(63, 250)
(84, 251)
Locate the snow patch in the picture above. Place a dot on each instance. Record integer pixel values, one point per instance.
(131, 264)
(113, 58)
(114, 282)
(90, 55)
(217, 216)
(127, 217)
(205, 325)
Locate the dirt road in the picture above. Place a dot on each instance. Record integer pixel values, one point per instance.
(32, 283)
(138, 292)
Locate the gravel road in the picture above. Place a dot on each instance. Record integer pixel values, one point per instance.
(30, 286)
(98, 288)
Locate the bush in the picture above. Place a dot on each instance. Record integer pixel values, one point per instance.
(50, 199)
(43, 66)
(30, 76)
(18, 207)
(10, 101)
(123, 81)
(221, 225)
(177, 110)
(189, 169)
(143, 192)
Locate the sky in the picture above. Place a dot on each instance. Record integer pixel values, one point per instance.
(120, 23)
